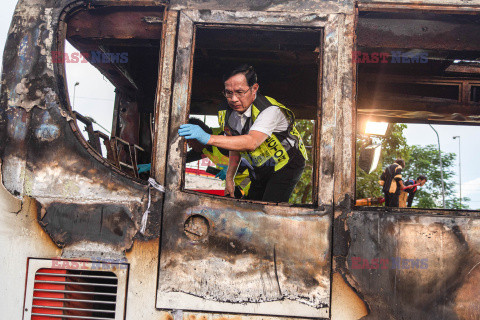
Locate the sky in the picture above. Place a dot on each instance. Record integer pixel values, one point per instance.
(94, 96)
(422, 134)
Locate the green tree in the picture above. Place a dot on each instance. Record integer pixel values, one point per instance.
(419, 160)
(302, 193)
(425, 160)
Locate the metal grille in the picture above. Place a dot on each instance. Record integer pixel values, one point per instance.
(80, 293)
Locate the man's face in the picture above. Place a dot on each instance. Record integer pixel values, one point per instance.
(422, 182)
(243, 95)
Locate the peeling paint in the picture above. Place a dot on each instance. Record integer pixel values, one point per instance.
(247, 256)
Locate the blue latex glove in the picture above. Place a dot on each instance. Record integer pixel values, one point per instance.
(192, 131)
(144, 167)
(222, 175)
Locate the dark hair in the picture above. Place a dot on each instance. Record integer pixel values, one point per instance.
(400, 162)
(200, 123)
(246, 70)
(422, 177)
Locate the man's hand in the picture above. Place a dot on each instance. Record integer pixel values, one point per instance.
(229, 188)
(192, 131)
(222, 174)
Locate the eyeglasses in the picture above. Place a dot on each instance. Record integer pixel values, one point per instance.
(238, 93)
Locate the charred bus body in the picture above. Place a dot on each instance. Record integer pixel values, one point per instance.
(93, 238)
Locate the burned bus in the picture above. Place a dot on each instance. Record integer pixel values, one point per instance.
(86, 234)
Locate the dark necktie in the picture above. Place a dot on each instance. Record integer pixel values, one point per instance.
(246, 126)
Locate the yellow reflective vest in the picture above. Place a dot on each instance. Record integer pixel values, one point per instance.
(217, 157)
(271, 149)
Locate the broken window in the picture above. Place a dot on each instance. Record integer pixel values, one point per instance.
(417, 101)
(475, 94)
(91, 95)
(286, 62)
(123, 45)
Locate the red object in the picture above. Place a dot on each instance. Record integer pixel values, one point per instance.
(215, 192)
(59, 286)
(199, 172)
(413, 185)
(369, 201)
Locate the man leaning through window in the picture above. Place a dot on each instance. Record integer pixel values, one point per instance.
(259, 129)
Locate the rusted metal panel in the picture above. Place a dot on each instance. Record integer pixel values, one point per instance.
(116, 23)
(458, 3)
(328, 110)
(431, 267)
(432, 6)
(69, 224)
(224, 254)
(42, 156)
(426, 31)
(230, 258)
(252, 18)
(344, 146)
(292, 6)
(163, 96)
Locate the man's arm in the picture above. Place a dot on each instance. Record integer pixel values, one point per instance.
(247, 142)
(233, 162)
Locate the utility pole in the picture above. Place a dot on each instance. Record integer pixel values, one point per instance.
(441, 166)
(459, 169)
(74, 88)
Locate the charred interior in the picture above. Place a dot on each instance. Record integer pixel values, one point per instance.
(286, 61)
(418, 67)
(415, 68)
(124, 45)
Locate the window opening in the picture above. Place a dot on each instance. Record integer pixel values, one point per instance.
(475, 94)
(286, 62)
(417, 145)
(111, 60)
(426, 101)
(91, 100)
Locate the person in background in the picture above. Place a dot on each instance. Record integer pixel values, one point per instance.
(408, 193)
(391, 182)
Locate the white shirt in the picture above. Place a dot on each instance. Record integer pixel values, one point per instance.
(268, 121)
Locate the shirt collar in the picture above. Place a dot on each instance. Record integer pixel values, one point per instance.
(247, 113)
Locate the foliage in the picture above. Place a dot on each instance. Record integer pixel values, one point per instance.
(419, 160)
(425, 160)
(302, 193)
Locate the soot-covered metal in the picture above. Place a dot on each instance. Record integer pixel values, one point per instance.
(230, 256)
(43, 157)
